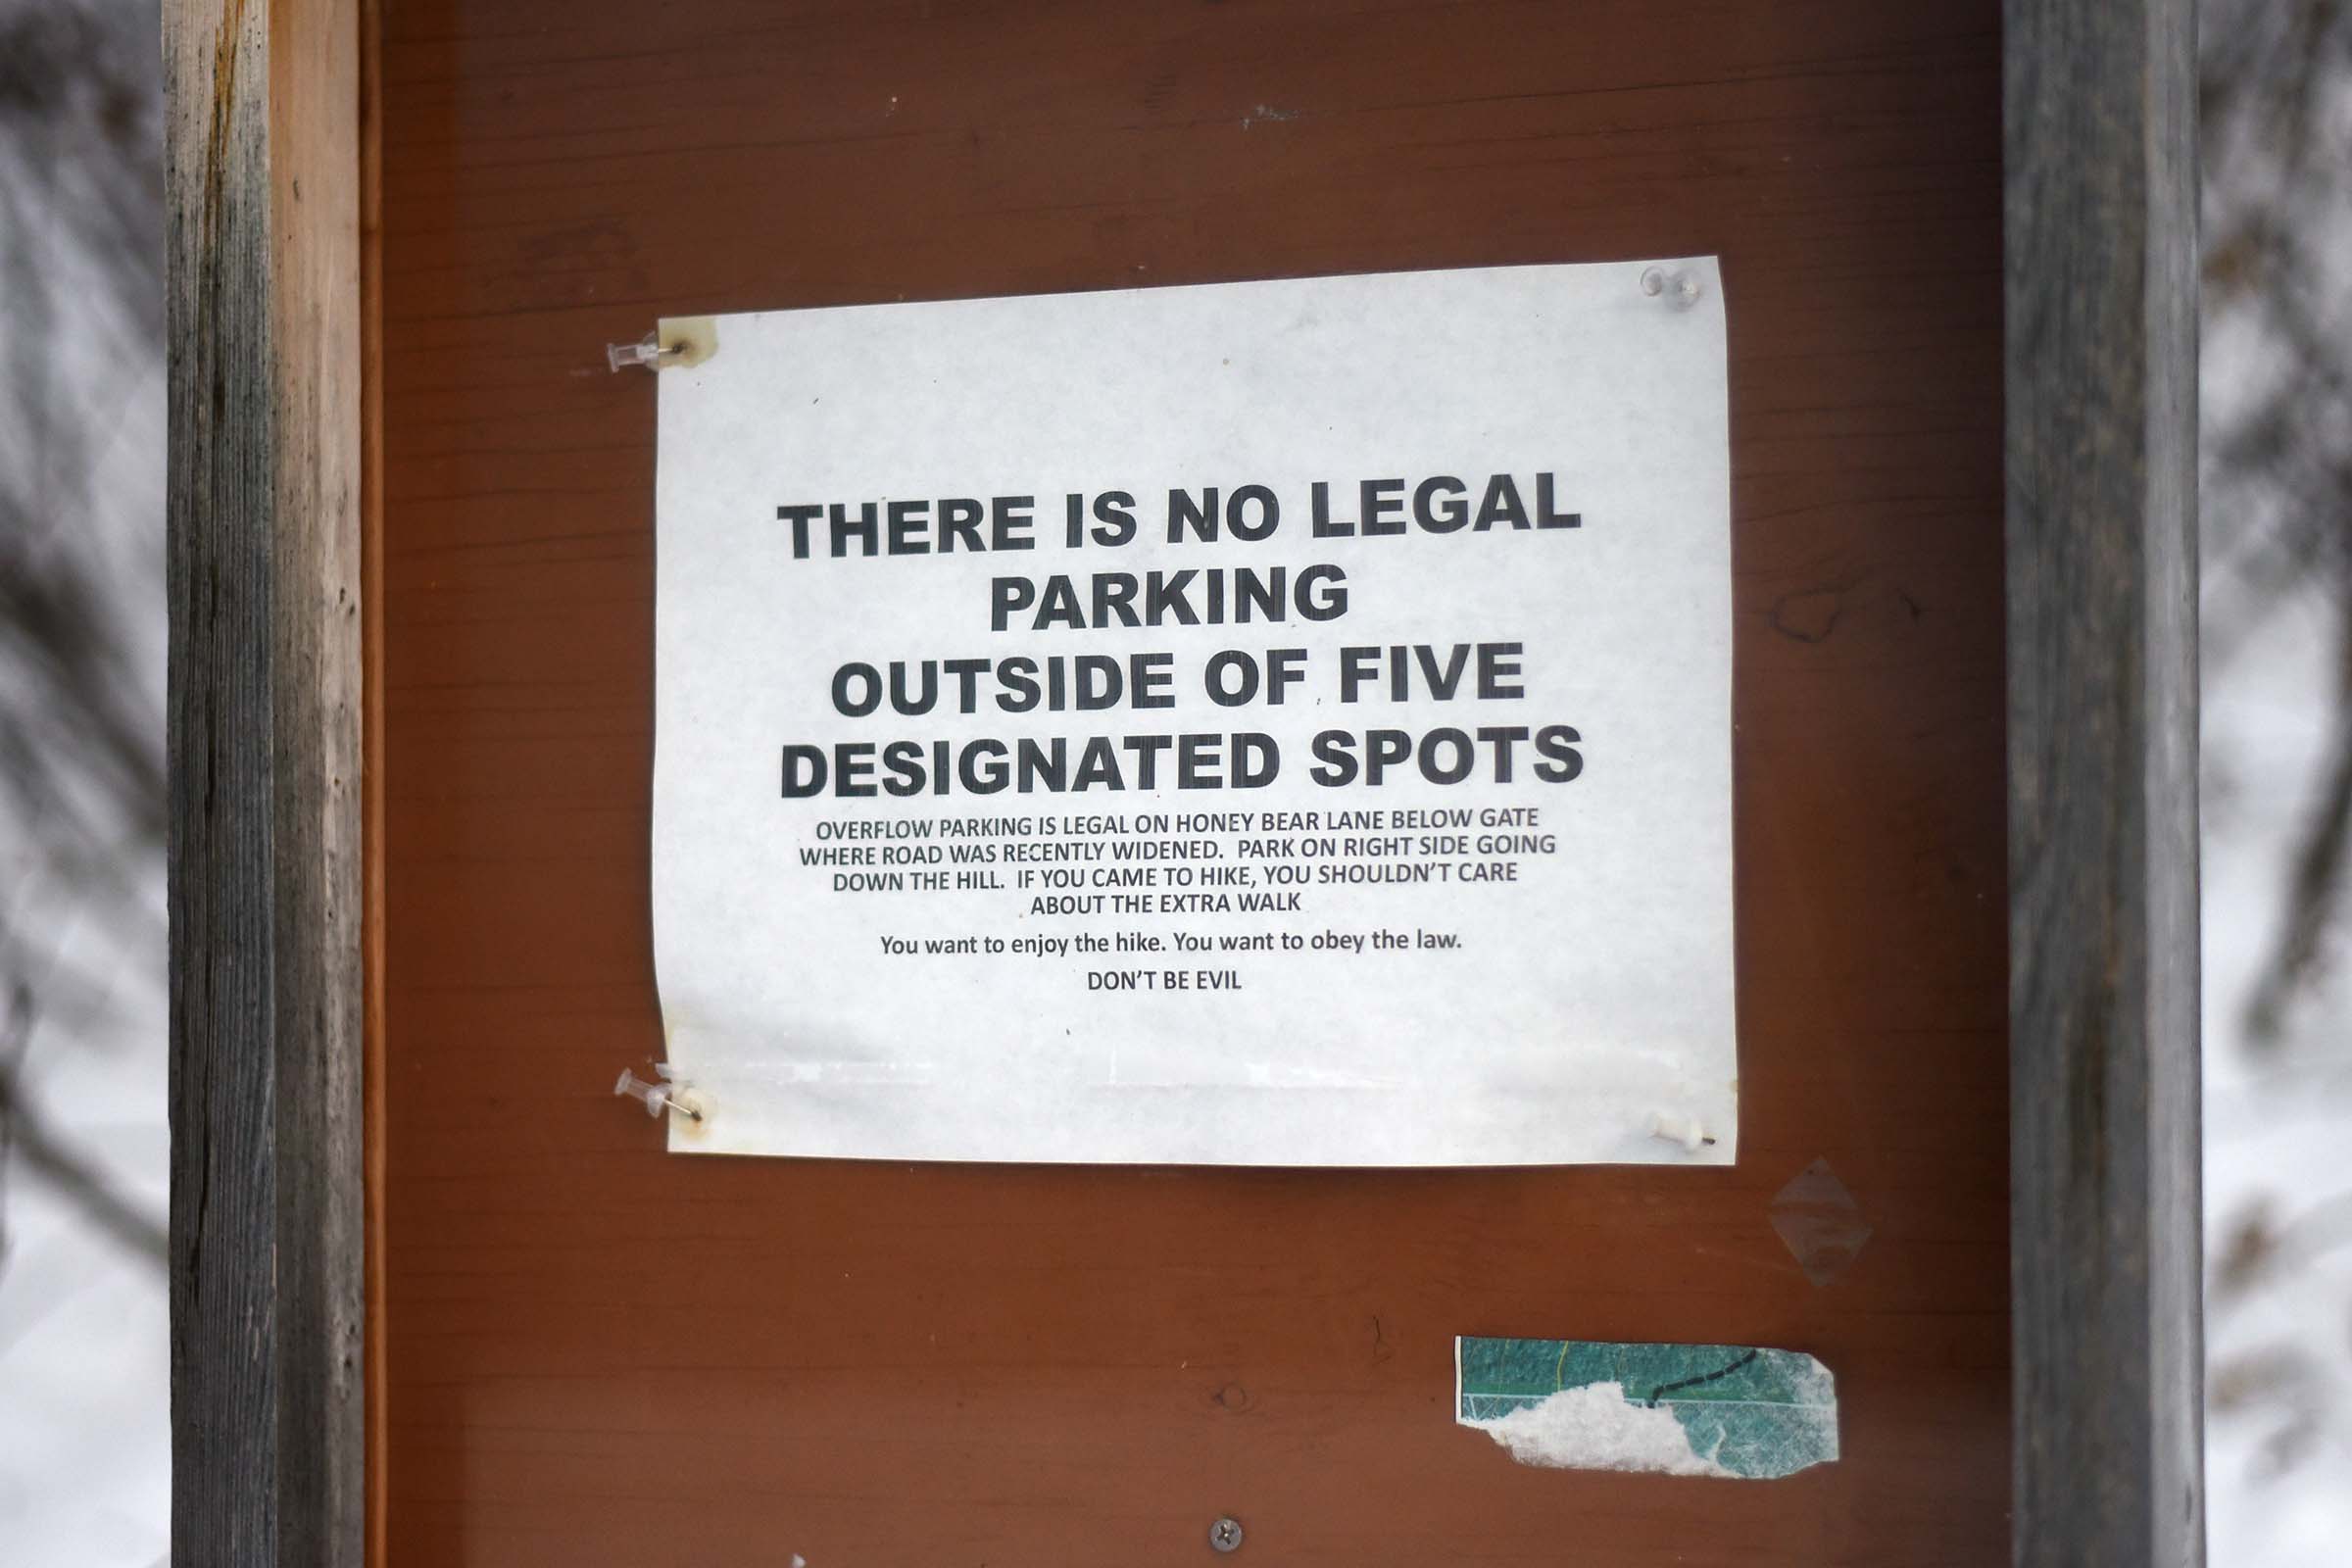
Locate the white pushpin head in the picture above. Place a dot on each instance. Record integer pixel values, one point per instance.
(1686, 1131)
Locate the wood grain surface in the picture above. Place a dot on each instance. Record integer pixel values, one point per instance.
(264, 745)
(597, 1354)
(2103, 563)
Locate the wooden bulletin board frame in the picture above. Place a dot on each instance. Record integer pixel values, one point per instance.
(276, 709)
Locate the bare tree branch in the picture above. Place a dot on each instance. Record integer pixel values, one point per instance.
(75, 1178)
(81, 772)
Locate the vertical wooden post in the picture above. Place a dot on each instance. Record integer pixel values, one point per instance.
(268, 1395)
(2102, 291)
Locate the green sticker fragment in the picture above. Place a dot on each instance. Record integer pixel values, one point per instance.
(1676, 1410)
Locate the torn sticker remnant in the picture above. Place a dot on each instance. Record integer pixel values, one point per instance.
(1820, 1221)
(1674, 1409)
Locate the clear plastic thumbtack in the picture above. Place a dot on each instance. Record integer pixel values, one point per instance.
(1675, 287)
(649, 352)
(658, 1097)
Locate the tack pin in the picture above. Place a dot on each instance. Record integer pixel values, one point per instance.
(649, 352)
(656, 1097)
(1684, 1130)
(1677, 288)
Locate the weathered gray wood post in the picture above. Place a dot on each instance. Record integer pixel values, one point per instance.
(2103, 563)
(267, 1205)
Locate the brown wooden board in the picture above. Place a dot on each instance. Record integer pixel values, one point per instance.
(594, 1353)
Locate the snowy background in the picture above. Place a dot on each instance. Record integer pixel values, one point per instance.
(84, 1458)
(2278, 803)
(84, 1453)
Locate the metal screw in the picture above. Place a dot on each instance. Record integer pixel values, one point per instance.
(1226, 1535)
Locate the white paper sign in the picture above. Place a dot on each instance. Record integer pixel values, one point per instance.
(1271, 723)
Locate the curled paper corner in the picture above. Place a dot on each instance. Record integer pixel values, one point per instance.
(1724, 1410)
(692, 338)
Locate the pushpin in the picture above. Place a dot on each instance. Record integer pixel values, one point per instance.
(650, 353)
(1684, 1130)
(656, 1097)
(1677, 288)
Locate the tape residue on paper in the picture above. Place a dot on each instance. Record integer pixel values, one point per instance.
(690, 339)
(1723, 1410)
(1595, 1427)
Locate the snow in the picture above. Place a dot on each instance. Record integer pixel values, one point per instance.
(85, 1460)
(2279, 1434)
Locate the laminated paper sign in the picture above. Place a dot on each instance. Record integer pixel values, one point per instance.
(1266, 723)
